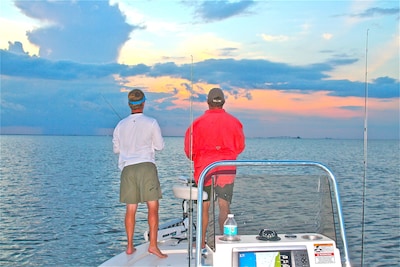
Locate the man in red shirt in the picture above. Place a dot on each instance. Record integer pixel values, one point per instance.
(214, 136)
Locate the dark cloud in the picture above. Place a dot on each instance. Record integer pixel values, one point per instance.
(16, 48)
(227, 52)
(171, 68)
(354, 108)
(374, 12)
(81, 31)
(219, 10)
(377, 11)
(230, 73)
(139, 69)
(60, 106)
(386, 87)
(385, 81)
(34, 67)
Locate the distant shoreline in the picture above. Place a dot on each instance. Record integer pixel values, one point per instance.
(177, 136)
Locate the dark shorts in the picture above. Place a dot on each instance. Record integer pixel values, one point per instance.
(139, 183)
(225, 192)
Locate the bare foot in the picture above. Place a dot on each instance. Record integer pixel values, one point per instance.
(130, 250)
(156, 251)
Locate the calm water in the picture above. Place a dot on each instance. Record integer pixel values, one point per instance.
(59, 195)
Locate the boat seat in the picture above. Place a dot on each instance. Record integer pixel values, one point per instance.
(183, 192)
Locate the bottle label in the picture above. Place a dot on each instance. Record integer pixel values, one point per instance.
(230, 230)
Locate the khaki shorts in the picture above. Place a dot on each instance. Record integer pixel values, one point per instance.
(225, 192)
(139, 183)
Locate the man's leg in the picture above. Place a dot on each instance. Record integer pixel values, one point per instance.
(224, 195)
(206, 207)
(130, 219)
(152, 219)
(223, 213)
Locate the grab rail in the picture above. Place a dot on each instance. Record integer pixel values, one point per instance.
(270, 163)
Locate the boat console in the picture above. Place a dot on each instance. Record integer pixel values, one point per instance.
(292, 250)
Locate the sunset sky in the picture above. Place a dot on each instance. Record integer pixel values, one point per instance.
(288, 68)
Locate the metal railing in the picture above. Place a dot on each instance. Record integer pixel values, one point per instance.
(332, 181)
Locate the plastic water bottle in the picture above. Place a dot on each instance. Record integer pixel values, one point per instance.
(230, 229)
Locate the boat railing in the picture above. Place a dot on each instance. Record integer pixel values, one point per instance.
(274, 163)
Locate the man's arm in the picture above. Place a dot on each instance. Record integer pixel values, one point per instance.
(240, 139)
(188, 146)
(115, 141)
(158, 140)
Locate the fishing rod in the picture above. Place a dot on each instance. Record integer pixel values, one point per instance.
(190, 250)
(365, 149)
(115, 112)
(191, 115)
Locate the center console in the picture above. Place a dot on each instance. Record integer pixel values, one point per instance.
(295, 250)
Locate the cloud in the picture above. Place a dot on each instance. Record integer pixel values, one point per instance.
(34, 67)
(227, 51)
(230, 73)
(77, 30)
(219, 10)
(274, 38)
(377, 11)
(16, 48)
(373, 12)
(327, 36)
(386, 86)
(384, 81)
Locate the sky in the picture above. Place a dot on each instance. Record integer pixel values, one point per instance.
(309, 69)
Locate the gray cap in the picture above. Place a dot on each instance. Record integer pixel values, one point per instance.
(216, 96)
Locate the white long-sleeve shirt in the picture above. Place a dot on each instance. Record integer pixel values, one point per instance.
(136, 138)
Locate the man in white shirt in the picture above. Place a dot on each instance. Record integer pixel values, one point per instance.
(135, 139)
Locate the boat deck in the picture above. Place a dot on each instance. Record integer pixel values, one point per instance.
(176, 251)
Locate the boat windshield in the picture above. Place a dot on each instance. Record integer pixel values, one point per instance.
(282, 199)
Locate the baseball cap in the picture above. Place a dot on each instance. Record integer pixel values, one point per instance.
(216, 96)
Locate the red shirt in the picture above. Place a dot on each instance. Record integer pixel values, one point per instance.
(216, 135)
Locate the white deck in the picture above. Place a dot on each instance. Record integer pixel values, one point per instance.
(225, 252)
(177, 256)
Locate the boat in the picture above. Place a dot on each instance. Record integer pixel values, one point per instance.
(288, 214)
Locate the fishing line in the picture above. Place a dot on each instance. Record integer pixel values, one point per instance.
(365, 149)
(116, 113)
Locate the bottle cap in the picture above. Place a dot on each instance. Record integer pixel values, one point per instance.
(230, 215)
